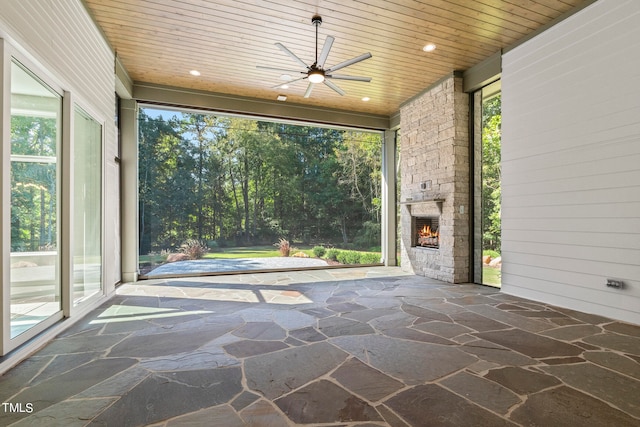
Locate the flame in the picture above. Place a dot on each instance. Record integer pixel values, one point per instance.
(426, 232)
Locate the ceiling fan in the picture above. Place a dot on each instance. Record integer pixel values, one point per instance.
(316, 73)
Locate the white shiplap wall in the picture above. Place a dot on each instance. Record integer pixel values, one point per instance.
(62, 39)
(571, 162)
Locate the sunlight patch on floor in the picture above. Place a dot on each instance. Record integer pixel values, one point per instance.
(128, 313)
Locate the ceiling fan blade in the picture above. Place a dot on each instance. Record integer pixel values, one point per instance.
(328, 42)
(280, 70)
(291, 54)
(309, 89)
(334, 87)
(349, 62)
(343, 77)
(287, 82)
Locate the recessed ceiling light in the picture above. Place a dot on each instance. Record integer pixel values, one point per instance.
(282, 97)
(366, 99)
(284, 86)
(429, 47)
(194, 73)
(285, 77)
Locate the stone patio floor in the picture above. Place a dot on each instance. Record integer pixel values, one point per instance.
(342, 347)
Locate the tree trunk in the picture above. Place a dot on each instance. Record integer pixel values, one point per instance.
(245, 198)
(200, 178)
(42, 219)
(238, 218)
(254, 220)
(343, 229)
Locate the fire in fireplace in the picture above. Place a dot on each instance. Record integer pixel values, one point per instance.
(427, 234)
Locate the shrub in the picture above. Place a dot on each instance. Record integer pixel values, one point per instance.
(353, 257)
(319, 251)
(193, 248)
(349, 257)
(283, 246)
(332, 254)
(369, 258)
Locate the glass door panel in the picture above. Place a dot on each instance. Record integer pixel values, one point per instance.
(35, 144)
(487, 186)
(87, 207)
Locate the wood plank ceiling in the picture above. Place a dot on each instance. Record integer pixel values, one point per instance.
(160, 41)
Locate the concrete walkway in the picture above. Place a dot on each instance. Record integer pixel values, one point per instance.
(202, 266)
(340, 347)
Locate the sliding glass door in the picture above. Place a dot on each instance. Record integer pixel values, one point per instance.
(51, 187)
(36, 115)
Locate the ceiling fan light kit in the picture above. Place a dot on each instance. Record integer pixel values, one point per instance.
(315, 76)
(316, 73)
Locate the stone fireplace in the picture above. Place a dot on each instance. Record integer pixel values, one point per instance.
(434, 173)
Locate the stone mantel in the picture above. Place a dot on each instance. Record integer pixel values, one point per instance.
(425, 200)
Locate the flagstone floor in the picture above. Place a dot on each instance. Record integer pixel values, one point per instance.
(342, 347)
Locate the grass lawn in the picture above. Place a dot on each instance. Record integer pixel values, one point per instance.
(151, 259)
(491, 276)
(254, 252)
(236, 252)
(265, 251)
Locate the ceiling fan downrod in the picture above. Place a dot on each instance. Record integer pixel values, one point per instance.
(316, 21)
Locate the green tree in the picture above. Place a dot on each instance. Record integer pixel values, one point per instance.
(201, 133)
(33, 184)
(360, 166)
(491, 174)
(161, 172)
(250, 160)
(247, 181)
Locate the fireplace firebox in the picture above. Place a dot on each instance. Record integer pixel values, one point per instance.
(426, 232)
